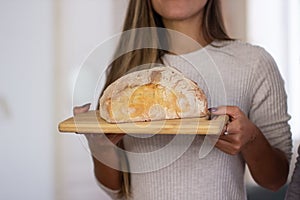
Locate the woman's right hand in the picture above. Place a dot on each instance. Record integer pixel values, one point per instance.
(105, 155)
(101, 145)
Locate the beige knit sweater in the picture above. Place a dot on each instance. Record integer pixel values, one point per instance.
(230, 73)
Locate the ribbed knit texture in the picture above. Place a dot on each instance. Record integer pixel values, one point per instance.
(231, 73)
(293, 192)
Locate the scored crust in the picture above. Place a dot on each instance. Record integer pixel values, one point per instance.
(153, 94)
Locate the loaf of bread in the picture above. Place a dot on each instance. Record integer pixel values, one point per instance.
(152, 94)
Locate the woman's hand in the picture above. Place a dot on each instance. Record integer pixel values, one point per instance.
(99, 144)
(105, 156)
(238, 132)
(269, 166)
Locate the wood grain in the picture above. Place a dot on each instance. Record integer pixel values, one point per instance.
(91, 122)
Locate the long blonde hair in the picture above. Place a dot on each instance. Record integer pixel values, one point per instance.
(140, 13)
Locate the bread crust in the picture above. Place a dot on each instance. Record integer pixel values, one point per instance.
(152, 94)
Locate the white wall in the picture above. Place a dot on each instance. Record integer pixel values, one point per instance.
(26, 100)
(42, 44)
(81, 25)
(275, 25)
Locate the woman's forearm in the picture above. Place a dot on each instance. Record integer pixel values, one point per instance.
(103, 150)
(106, 175)
(269, 166)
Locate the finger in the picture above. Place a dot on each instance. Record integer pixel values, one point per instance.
(224, 130)
(115, 138)
(81, 109)
(94, 137)
(113, 134)
(233, 111)
(233, 127)
(230, 132)
(226, 147)
(232, 138)
(223, 146)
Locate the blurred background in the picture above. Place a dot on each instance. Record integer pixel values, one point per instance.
(42, 45)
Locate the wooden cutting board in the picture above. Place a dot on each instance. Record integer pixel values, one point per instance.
(91, 122)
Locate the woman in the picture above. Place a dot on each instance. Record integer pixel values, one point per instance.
(258, 133)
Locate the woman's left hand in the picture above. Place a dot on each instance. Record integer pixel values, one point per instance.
(238, 132)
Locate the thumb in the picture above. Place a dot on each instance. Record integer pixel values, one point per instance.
(221, 110)
(232, 111)
(81, 109)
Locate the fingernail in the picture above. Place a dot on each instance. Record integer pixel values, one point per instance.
(88, 104)
(213, 109)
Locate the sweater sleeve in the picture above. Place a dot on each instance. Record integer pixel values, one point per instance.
(269, 103)
(293, 192)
